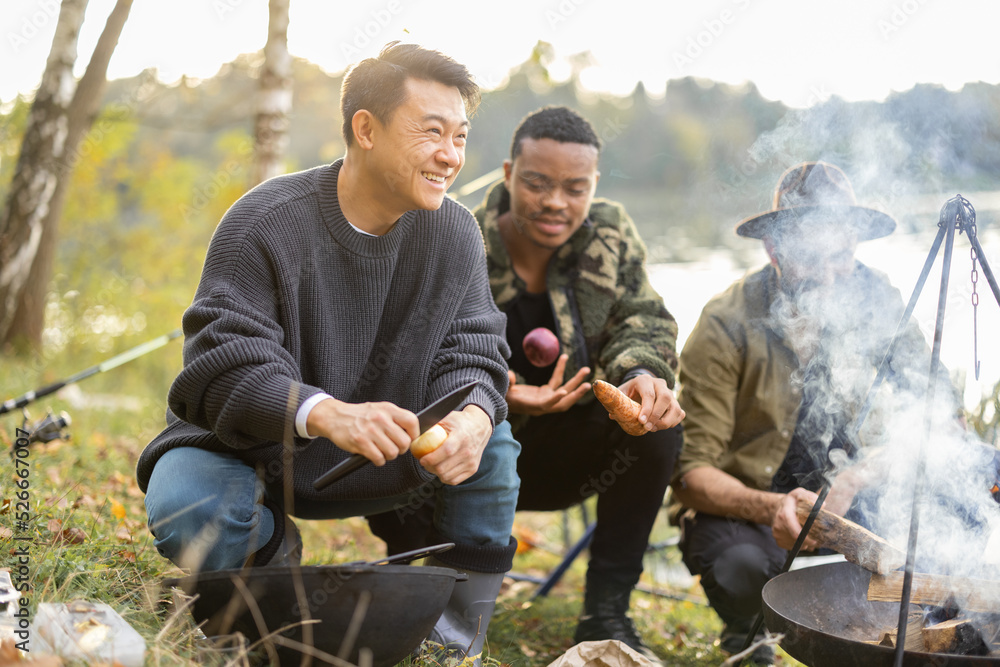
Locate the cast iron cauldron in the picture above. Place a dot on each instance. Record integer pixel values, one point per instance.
(393, 606)
(826, 617)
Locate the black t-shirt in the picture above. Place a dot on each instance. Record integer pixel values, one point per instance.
(816, 433)
(529, 311)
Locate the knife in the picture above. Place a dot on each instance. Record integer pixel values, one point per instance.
(426, 418)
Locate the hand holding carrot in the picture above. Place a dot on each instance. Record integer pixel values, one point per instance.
(642, 404)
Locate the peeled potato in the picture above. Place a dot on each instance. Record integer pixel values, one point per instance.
(428, 441)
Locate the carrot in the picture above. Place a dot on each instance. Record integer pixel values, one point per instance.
(622, 409)
(428, 441)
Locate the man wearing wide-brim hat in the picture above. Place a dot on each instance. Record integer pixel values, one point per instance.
(769, 378)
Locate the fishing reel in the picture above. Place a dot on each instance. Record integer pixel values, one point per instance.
(48, 428)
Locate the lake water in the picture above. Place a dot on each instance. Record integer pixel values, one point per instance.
(686, 287)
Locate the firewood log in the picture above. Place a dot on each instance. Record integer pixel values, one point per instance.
(914, 639)
(959, 635)
(969, 594)
(859, 545)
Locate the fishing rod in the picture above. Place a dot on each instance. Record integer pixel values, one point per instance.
(113, 362)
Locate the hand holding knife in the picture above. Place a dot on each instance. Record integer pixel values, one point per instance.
(427, 418)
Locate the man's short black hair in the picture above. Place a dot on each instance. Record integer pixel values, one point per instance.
(559, 123)
(376, 84)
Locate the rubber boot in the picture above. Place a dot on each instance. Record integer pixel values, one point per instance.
(605, 616)
(461, 630)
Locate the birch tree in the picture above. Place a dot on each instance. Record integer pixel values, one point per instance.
(33, 186)
(274, 103)
(29, 314)
(60, 117)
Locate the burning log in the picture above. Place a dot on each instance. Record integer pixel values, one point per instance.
(932, 589)
(914, 638)
(957, 635)
(859, 545)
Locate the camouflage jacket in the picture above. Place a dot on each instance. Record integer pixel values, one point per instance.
(607, 314)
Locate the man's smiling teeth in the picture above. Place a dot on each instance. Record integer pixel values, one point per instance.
(433, 177)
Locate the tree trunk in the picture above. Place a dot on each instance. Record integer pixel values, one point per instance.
(274, 104)
(29, 316)
(37, 173)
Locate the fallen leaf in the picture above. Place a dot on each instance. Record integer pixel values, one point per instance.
(6, 533)
(9, 655)
(61, 502)
(528, 653)
(71, 536)
(86, 500)
(55, 525)
(118, 478)
(117, 509)
(5, 506)
(124, 535)
(51, 447)
(124, 554)
(526, 538)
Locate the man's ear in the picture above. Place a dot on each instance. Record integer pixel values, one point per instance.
(772, 251)
(363, 125)
(508, 167)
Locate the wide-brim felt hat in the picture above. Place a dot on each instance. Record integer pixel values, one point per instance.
(816, 193)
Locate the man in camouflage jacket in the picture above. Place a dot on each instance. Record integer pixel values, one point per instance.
(559, 259)
(607, 315)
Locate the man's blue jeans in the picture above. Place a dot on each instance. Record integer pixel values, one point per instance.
(206, 509)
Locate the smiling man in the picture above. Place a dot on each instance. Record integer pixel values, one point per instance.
(333, 304)
(559, 258)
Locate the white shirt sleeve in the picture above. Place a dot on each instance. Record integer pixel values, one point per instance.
(303, 414)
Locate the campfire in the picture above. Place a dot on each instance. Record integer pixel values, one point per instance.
(847, 613)
(947, 614)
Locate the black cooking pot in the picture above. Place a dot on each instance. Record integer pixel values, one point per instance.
(826, 617)
(327, 611)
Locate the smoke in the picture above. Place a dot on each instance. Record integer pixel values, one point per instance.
(841, 329)
(869, 142)
(839, 321)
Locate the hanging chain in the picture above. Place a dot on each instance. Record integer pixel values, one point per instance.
(975, 301)
(965, 219)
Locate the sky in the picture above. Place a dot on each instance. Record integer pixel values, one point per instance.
(797, 51)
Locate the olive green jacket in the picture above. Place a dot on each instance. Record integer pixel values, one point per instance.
(607, 314)
(737, 374)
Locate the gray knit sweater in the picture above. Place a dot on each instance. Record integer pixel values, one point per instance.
(294, 301)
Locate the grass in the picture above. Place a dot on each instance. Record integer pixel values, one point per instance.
(89, 539)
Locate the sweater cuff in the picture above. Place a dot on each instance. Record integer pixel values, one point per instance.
(636, 372)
